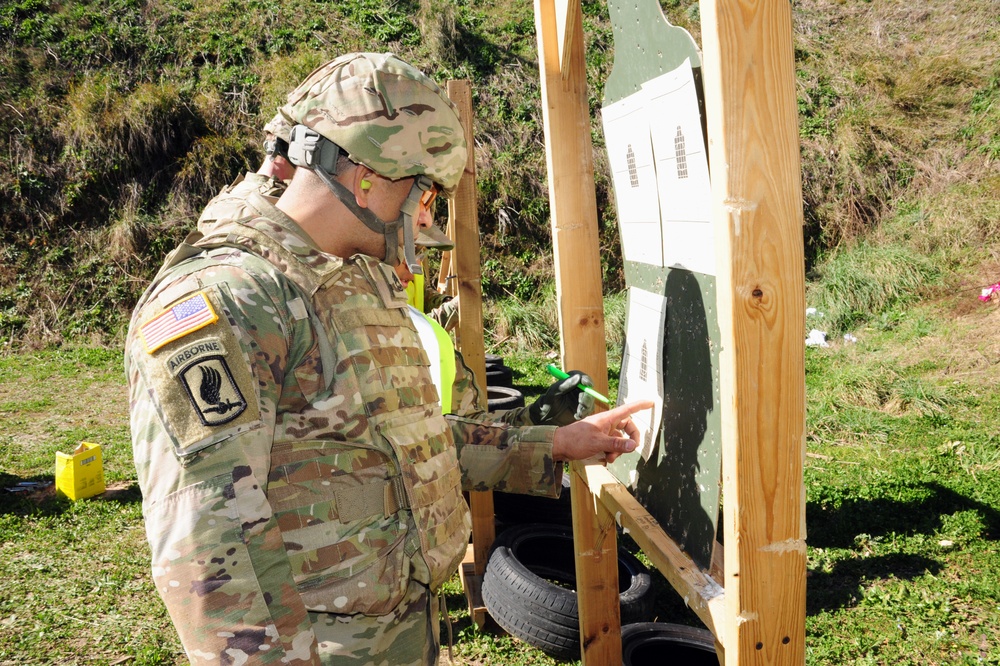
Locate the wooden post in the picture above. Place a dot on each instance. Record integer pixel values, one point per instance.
(444, 285)
(466, 263)
(749, 83)
(575, 243)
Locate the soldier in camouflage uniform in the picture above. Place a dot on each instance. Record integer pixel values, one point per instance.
(269, 181)
(301, 486)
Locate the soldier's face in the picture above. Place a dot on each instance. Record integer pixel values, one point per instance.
(386, 202)
(387, 197)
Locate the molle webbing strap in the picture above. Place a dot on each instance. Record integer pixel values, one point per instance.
(370, 317)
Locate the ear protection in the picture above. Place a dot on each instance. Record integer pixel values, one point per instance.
(365, 184)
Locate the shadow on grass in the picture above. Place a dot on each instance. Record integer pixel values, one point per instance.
(45, 501)
(842, 587)
(841, 528)
(838, 527)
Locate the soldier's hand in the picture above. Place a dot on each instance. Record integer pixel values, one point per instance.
(563, 402)
(607, 434)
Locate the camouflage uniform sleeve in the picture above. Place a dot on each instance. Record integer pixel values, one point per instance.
(203, 413)
(501, 450)
(433, 298)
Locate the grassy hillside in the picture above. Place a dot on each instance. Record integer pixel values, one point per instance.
(122, 118)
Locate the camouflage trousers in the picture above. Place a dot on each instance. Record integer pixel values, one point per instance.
(408, 636)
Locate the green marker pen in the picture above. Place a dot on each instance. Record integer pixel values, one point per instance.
(559, 374)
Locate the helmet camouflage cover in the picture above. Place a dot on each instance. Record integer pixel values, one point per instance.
(386, 115)
(279, 127)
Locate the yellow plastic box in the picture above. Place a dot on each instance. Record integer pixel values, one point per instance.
(80, 474)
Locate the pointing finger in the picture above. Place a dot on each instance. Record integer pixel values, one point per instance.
(632, 430)
(621, 412)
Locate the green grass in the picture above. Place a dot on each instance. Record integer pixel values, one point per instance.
(902, 486)
(871, 282)
(903, 510)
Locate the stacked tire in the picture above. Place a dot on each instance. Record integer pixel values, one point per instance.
(500, 392)
(497, 372)
(528, 588)
(658, 643)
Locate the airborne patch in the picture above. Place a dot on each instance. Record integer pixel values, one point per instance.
(213, 392)
(181, 358)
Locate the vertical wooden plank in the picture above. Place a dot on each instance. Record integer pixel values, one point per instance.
(749, 81)
(569, 158)
(444, 285)
(466, 263)
(567, 14)
(573, 201)
(597, 593)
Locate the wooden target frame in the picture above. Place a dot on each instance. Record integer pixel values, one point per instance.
(753, 598)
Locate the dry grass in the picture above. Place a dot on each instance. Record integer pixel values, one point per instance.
(967, 350)
(438, 29)
(891, 83)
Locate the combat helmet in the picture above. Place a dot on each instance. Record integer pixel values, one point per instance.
(386, 115)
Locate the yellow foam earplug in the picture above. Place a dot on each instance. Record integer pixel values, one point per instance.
(365, 185)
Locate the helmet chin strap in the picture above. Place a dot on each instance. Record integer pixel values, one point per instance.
(390, 230)
(312, 150)
(408, 211)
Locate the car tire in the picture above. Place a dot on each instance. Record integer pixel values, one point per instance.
(502, 398)
(529, 581)
(494, 361)
(656, 643)
(501, 376)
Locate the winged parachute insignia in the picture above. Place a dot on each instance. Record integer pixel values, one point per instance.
(211, 384)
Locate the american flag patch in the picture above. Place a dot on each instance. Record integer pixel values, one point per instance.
(187, 316)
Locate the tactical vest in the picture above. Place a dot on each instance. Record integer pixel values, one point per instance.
(375, 372)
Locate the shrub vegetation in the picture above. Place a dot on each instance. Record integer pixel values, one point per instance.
(122, 119)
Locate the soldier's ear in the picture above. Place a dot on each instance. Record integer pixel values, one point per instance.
(362, 185)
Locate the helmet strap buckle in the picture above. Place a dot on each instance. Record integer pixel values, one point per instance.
(309, 148)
